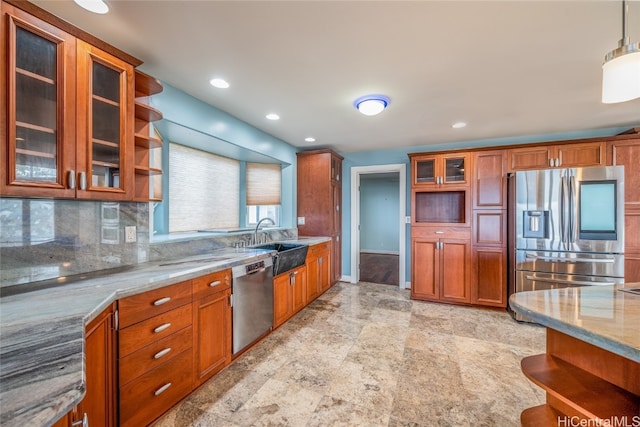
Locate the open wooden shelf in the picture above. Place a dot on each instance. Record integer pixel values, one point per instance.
(586, 394)
(143, 170)
(540, 416)
(146, 85)
(148, 142)
(147, 113)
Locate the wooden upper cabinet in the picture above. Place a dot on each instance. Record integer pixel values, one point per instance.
(37, 86)
(440, 170)
(552, 156)
(105, 125)
(489, 183)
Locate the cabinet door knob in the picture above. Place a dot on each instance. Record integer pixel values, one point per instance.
(162, 301)
(162, 328)
(162, 389)
(83, 180)
(216, 283)
(162, 353)
(84, 422)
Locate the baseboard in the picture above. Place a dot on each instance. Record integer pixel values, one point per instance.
(373, 251)
(346, 279)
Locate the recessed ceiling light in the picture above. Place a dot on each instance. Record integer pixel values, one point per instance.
(219, 83)
(458, 125)
(370, 105)
(95, 6)
(310, 139)
(272, 116)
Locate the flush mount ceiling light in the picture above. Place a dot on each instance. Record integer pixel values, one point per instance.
(310, 139)
(621, 68)
(219, 83)
(370, 105)
(272, 116)
(95, 6)
(459, 125)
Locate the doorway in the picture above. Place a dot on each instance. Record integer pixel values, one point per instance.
(378, 234)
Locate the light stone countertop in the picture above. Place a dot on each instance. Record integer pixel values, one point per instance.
(603, 316)
(42, 331)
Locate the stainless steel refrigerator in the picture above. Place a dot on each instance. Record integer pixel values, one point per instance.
(565, 228)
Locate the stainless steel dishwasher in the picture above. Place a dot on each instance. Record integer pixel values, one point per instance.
(252, 290)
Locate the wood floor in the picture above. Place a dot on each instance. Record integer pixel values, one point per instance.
(379, 268)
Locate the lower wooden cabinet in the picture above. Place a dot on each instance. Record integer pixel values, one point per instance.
(489, 283)
(289, 294)
(440, 268)
(212, 325)
(318, 270)
(99, 403)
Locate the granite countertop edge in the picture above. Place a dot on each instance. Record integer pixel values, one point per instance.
(53, 322)
(591, 337)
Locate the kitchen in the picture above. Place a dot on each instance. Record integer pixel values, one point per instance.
(84, 241)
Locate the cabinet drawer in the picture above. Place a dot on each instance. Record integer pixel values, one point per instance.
(155, 354)
(144, 333)
(139, 307)
(145, 399)
(317, 250)
(441, 232)
(211, 283)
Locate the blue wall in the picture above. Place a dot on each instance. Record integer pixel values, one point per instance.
(191, 122)
(379, 213)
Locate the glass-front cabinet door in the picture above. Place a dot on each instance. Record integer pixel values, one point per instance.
(425, 171)
(105, 99)
(454, 169)
(40, 131)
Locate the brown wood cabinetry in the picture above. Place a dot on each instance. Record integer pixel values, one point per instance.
(319, 200)
(289, 294)
(318, 270)
(155, 352)
(211, 324)
(68, 130)
(441, 263)
(439, 170)
(564, 155)
(99, 402)
(627, 153)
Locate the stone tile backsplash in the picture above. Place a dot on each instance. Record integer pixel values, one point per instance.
(42, 239)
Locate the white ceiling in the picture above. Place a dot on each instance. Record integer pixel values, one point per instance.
(508, 68)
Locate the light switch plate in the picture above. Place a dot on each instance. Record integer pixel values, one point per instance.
(407, 220)
(300, 220)
(130, 234)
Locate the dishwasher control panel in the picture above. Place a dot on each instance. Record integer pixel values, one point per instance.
(252, 268)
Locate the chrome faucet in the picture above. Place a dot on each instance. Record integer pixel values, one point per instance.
(255, 234)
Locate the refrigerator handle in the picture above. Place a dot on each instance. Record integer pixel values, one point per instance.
(563, 229)
(573, 200)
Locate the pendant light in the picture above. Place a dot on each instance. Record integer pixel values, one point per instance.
(621, 68)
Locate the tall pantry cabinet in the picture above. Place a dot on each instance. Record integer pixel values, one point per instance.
(320, 201)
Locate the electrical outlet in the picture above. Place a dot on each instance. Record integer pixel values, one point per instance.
(407, 219)
(300, 220)
(130, 234)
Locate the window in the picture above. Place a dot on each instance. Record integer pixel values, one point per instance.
(263, 192)
(204, 190)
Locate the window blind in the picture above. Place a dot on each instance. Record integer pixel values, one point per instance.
(263, 184)
(204, 190)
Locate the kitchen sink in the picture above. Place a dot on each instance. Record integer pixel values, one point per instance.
(288, 256)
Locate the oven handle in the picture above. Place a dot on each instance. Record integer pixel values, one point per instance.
(570, 282)
(590, 260)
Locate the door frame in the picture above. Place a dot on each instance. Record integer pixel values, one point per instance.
(356, 171)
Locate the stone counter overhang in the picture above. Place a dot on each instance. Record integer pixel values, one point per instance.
(603, 316)
(42, 332)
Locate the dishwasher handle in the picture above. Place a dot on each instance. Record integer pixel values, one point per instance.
(257, 271)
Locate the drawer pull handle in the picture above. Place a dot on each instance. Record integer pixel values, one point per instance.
(216, 283)
(162, 389)
(161, 353)
(162, 328)
(162, 301)
(439, 232)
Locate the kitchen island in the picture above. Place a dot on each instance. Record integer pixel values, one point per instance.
(42, 360)
(591, 370)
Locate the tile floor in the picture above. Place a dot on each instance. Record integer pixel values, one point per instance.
(366, 355)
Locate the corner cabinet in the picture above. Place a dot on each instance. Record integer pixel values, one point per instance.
(68, 129)
(319, 197)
